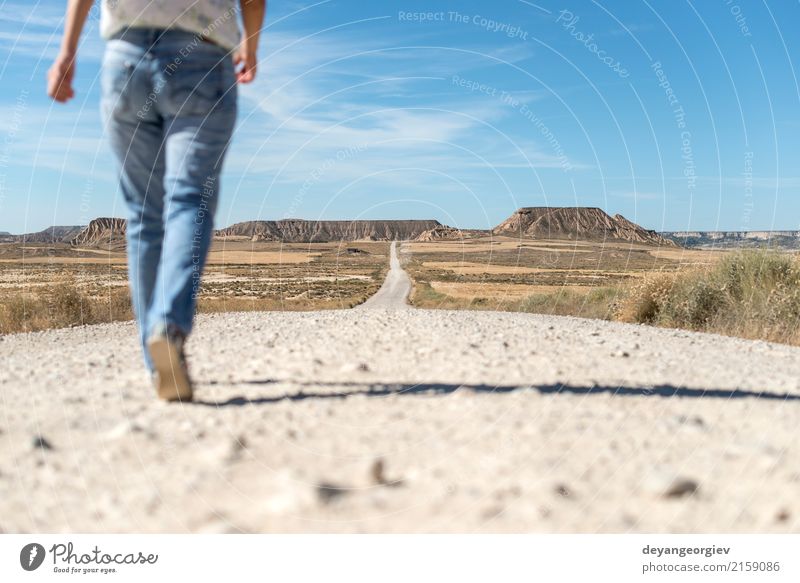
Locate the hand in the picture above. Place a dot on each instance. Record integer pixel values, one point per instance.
(59, 78)
(246, 64)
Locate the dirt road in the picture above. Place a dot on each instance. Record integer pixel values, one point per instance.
(385, 420)
(395, 289)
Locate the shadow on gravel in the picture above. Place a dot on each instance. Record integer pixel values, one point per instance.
(384, 390)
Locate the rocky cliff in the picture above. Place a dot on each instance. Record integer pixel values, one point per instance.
(105, 232)
(576, 223)
(302, 231)
(736, 239)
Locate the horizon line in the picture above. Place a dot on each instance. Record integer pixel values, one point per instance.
(488, 229)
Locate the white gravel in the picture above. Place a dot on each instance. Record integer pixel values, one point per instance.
(389, 420)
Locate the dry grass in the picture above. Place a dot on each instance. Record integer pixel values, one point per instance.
(750, 294)
(499, 290)
(227, 257)
(66, 287)
(468, 268)
(61, 306)
(588, 302)
(64, 305)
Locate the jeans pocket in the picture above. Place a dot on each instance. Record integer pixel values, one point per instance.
(194, 87)
(115, 84)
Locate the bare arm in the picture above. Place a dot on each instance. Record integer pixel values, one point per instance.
(59, 77)
(252, 19)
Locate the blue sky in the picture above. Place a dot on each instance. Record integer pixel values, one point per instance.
(678, 115)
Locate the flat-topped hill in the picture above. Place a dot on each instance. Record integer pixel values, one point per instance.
(304, 231)
(576, 223)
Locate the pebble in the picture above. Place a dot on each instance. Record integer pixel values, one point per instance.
(563, 490)
(782, 515)
(355, 367)
(40, 442)
(235, 449)
(692, 420)
(378, 474)
(327, 492)
(667, 485)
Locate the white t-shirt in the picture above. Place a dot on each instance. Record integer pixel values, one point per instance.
(215, 19)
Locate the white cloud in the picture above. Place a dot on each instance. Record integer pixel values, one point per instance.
(321, 94)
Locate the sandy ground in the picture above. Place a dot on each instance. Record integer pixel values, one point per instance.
(387, 420)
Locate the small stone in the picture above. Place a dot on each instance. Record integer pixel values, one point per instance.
(783, 515)
(562, 490)
(327, 492)
(378, 474)
(235, 449)
(377, 471)
(355, 367)
(39, 442)
(668, 485)
(620, 354)
(693, 420)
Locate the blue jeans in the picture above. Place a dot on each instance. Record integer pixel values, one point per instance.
(169, 107)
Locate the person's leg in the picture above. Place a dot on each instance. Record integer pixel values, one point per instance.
(195, 149)
(142, 188)
(136, 136)
(200, 113)
(198, 104)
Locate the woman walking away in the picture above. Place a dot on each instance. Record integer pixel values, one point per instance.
(168, 82)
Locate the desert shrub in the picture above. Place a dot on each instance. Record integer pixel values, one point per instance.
(643, 301)
(754, 294)
(15, 312)
(61, 306)
(67, 306)
(117, 306)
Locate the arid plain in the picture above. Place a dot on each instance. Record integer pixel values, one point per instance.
(579, 278)
(433, 406)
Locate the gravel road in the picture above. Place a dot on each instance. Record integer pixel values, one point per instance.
(395, 289)
(387, 420)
